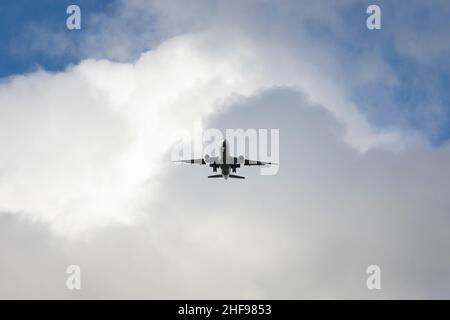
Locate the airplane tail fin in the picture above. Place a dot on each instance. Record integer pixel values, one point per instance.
(236, 177)
(215, 176)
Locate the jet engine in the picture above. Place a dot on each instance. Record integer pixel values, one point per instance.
(207, 158)
(241, 159)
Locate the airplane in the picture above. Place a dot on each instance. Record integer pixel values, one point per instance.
(226, 163)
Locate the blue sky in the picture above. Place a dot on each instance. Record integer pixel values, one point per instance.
(422, 79)
(19, 15)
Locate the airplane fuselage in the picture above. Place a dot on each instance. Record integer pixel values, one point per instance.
(225, 167)
(226, 170)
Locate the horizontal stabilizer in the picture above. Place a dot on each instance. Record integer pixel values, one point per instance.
(215, 176)
(236, 177)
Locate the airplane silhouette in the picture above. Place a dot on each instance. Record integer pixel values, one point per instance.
(226, 163)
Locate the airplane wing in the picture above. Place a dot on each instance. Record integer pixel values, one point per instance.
(192, 161)
(247, 162)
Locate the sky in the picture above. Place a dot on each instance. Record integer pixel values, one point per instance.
(88, 120)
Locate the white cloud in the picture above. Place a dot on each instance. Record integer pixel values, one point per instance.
(81, 148)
